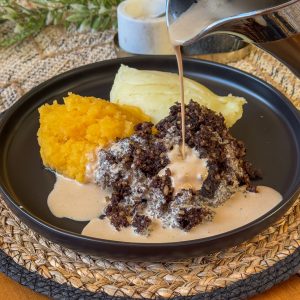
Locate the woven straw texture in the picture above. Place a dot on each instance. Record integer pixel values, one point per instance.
(54, 51)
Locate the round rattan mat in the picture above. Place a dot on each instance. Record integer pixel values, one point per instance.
(235, 273)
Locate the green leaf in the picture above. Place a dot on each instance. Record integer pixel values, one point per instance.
(58, 17)
(10, 11)
(8, 18)
(40, 2)
(91, 5)
(50, 18)
(102, 10)
(18, 28)
(85, 26)
(74, 18)
(79, 8)
(96, 23)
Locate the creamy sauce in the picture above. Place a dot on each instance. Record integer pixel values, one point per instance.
(85, 202)
(76, 201)
(180, 71)
(241, 209)
(188, 173)
(91, 165)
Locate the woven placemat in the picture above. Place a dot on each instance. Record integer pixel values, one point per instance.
(238, 272)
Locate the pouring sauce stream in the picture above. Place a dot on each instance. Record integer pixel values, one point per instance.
(180, 71)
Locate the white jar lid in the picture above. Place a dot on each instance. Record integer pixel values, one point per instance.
(142, 27)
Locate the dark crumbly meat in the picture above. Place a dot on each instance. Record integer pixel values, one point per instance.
(118, 215)
(164, 184)
(207, 133)
(134, 169)
(127, 168)
(141, 223)
(188, 218)
(187, 210)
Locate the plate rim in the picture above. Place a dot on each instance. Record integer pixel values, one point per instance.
(66, 233)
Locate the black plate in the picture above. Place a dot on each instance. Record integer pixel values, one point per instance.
(270, 128)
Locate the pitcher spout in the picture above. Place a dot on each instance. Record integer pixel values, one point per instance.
(272, 25)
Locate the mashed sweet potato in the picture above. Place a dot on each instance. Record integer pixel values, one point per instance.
(69, 132)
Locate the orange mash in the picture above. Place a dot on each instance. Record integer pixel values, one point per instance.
(69, 132)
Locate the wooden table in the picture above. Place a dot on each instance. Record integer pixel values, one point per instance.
(10, 290)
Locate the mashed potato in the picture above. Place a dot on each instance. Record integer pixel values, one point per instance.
(69, 132)
(155, 92)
